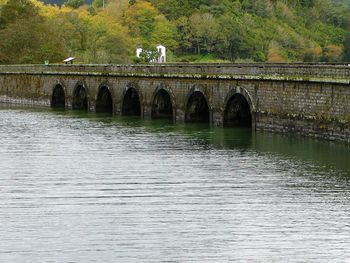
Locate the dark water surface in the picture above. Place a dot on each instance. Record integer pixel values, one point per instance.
(91, 188)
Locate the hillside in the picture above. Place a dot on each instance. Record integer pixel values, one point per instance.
(60, 2)
(196, 30)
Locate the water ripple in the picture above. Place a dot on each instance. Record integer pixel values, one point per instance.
(86, 188)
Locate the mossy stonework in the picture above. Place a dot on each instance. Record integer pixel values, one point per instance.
(307, 99)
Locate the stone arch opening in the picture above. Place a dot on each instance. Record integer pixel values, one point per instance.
(80, 101)
(197, 109)
(162, 107)
(58, 99)
(131, 103)
(237, 112)
(104, 101)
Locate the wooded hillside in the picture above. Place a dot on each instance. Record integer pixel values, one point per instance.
(192, 30)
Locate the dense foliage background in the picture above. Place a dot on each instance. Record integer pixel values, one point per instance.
(32, 31)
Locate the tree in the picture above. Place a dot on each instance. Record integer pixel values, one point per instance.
(313, 54)
(26, 36)
(148, 55)
(205, 31)
(184, 33)
(17, 9)
(241, 40)
(165, 33)
(332, 53)
(98, 3)
(108, 41)
(346, 57)
(173, 9)
(141, 19)
(148, 26)
(74, 3)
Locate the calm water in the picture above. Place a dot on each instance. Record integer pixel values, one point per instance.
(91, 188)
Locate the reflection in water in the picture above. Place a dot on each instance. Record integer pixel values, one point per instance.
(78, 187)
(323, 153)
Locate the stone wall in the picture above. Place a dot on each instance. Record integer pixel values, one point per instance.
(307, 99)
(302, 71)
(318, 110)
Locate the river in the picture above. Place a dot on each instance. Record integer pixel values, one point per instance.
(79, 187)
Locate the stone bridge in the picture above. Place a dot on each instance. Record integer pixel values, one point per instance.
(306, 99)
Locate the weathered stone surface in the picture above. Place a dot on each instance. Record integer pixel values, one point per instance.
(306, 99)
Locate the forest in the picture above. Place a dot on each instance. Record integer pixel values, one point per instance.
(108, 31)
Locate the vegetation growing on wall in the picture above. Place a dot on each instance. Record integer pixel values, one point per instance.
(192, 30)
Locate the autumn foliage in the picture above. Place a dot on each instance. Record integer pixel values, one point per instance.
(196, 30)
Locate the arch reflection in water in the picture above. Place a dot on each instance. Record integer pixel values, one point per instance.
(104, 103)
(80, 98)
(58, 99)
(197, 109)
(237, 112)
(162, 107)
(131, 103)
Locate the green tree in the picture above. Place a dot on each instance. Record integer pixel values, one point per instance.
(17, 9)
(148, 55)
(346, 57)
(98, 3)
(241, 40)
(74, 3)
(184, 33)
(148, 26)
(107, 42)
(173, 9)
(72, 30)
(26, 36)
(205, 31)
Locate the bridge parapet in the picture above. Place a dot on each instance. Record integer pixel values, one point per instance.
(295, 71)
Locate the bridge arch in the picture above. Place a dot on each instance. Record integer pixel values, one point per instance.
(239, 109)
(131, 102)
(163, 106)
(197, 108)
(104, 101)
(80, 100)
(58, 97)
